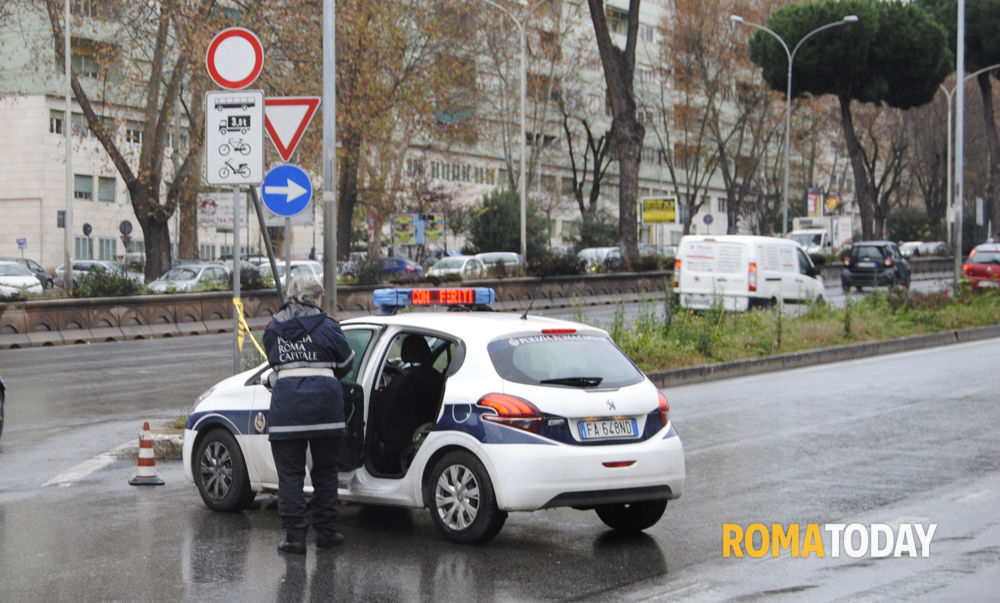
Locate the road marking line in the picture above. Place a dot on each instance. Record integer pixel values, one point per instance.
(77, 473)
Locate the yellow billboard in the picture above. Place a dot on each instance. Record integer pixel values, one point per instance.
(659, 210)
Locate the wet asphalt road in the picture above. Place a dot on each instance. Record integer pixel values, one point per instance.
(908, 435)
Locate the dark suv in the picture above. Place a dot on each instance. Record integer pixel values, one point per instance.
(875, 264)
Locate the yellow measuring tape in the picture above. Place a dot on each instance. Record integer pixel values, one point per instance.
(244, 328)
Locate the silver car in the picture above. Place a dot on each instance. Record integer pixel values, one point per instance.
(191, 277)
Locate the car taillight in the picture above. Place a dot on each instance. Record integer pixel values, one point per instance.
(967, 269)
(664, 407)
(887, 262)
(558, 331)
(677, 273)
(752, 277)
(512, 411)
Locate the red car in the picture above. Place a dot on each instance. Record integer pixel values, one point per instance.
(982, 269)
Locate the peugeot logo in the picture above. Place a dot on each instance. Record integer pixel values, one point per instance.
(611, 405)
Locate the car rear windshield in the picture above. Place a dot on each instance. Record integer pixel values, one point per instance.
(985, 257)
(563, 360)
(868, 252)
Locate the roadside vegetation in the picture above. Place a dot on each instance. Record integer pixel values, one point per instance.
(662, 340)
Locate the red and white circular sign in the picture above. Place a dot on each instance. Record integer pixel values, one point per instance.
(235, 58)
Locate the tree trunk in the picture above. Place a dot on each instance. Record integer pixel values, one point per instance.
(189, 175)
(629, 145)
(626, 131)
(155, 231)
(863, 191)
(993, 144)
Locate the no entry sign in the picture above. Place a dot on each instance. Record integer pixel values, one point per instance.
(234, 58)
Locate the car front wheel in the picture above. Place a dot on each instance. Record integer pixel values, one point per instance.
(462, 501)
(632, 517)
(220, 472)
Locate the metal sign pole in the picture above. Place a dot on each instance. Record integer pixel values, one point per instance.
(288, 251)
(237, 359)
(267, 243)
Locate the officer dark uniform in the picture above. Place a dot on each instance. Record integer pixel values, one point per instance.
(308, 351)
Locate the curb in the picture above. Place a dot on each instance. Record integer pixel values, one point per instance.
(166, 446)
(741, 368)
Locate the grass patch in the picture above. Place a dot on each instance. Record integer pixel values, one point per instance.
(668, 337)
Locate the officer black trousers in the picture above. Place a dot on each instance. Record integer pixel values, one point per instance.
(290, 461)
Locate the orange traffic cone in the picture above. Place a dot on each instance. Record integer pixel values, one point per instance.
(146, 475)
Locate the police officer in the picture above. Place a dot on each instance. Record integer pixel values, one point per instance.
(308, 352)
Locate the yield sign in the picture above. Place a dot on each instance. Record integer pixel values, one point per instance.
(286, 118)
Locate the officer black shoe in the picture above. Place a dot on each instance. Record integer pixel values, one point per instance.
(325, 541)
(295, 547)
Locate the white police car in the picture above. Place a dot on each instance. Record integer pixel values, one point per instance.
(471, 414)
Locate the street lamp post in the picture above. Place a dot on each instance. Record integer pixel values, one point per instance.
(522, 180)
(955, 205)
(788, 97)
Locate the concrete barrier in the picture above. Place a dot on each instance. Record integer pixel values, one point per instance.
(58, 321)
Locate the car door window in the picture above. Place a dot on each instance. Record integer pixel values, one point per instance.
(805, 266)
(359, 339)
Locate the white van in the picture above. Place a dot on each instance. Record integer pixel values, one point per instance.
(743, 272)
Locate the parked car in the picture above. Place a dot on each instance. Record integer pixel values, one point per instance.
(982, 268)
(298, 267)
(352, 265)
(595, 259)
(471, 414)
(742, 272)
(651, 250)
(910, 248)
(191, 277)
(463, 266)
(40, 273)
(17, 281)
(81, 268)
(394, 267)
(874, 264)
(512, 262)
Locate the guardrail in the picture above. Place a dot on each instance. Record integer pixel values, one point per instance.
(58, 321)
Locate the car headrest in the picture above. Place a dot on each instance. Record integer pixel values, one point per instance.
(415, 350)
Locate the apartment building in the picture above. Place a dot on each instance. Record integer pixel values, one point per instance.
(33, 172)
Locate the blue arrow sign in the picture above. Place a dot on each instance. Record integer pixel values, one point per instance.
(286, 190)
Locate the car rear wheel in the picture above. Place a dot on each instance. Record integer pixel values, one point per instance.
(632, 517)
(462, 501)
(220, 472)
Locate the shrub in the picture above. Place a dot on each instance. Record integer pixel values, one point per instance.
(370, 273)
(104, 283)
(552, 265)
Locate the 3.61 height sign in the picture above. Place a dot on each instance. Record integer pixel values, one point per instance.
(234, 137)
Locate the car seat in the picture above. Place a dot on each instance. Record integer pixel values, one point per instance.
(411, 400)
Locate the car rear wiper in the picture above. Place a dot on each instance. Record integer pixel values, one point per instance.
(574, 381)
